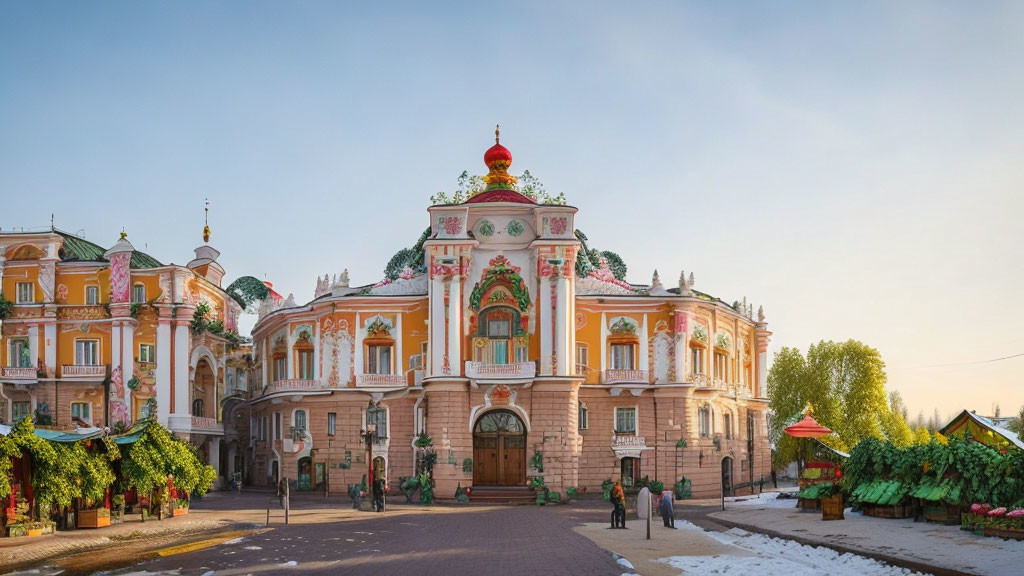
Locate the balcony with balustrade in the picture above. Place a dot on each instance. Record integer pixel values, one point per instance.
(625, 377)
(380, 380)
(488, 371)
(188, 424)
(293, 385)
(18, 374)
(83, 371)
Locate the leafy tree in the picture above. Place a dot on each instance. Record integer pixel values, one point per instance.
(922, 436)
(248, 290)
(157, 454)
(894, 422)
(845, 383)
(412, 257)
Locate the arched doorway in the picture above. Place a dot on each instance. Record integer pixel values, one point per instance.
(727, 475)
(305, 473)
(499, 450)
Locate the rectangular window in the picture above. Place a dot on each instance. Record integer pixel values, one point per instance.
(704, 420)
(378, 359)
(521, 352)
(697, 360)
(92, 295)
(499, 328)
(147, 353)
(20, 411)
(87, 352)
(582, 357)
(378, 417)
(581, 419)
(625, 420)
(277, 425)
(280, 370)
(622, 356)
(18, 353)
(82, 411)
(25, 293)
(306, 364)
(332, 423)
(138, 293)
(264, 428)
(300, 419)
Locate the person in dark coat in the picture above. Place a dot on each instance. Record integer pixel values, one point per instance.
(618, 498)
(665, 507)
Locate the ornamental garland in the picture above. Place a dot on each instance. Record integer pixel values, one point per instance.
(700, 334)
(722, 341)
(501, 272)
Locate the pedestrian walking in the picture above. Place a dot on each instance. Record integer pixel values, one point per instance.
(618, 499)
(665, 507)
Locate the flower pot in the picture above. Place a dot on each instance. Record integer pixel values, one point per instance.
(181, 511)
(1004, 533)
(33, 532)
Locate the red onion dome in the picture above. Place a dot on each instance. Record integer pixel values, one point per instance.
(497, 153)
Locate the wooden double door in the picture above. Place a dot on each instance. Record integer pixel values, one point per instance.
(499, 450)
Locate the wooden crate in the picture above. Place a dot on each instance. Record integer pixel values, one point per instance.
(832, 507)
(943, 513)
(97, 518)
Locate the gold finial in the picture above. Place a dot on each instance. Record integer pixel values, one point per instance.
(206, 222)
(809, 410)
(124, 235)
(497, 133)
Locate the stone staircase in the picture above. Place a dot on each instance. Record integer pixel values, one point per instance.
(502, 495)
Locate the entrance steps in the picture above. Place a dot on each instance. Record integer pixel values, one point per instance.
(502, 495)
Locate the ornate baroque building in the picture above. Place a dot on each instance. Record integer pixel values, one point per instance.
(506, 341)
(100, 338)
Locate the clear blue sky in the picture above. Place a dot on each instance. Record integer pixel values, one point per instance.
(855, 168)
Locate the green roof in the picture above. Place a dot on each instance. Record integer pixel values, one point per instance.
(80, 249)
(77, 249)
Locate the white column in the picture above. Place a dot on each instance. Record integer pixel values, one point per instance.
(182, 393)
(50, 342)
(316, 350)
(561, 327)
(437, 332)
(357, 358)
(215, 458)
(762, 372)
(265, 356)
(544, 307)
(455, 325)
(604, 342)
(163, 371)
(33, 349)
(399, 359)
(115, 347)
(680, 352)
(645, 357)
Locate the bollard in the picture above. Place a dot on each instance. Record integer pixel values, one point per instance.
(287, 499)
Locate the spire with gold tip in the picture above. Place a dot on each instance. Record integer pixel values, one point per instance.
(206, 222)
(498, 159)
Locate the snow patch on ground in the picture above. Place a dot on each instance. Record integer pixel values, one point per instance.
(290, 563)
(253, 548)
(625, 564)
(238, 540)
(763, 500)
(768, 556)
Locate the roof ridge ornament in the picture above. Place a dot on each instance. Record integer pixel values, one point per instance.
(206, 222)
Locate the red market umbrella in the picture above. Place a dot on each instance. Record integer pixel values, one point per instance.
(808, 428)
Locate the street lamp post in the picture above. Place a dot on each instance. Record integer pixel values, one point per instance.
(371, 430)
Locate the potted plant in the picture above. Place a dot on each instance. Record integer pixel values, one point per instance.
(180, 507)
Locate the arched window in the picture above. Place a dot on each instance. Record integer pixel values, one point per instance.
(198, 408)
(704, 420)
(300, 419)
(304, 356)
(728, 426)
(378, 416)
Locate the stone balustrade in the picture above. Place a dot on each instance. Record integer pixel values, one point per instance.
(488, 371)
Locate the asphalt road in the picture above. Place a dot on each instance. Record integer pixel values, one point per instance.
(405, 541)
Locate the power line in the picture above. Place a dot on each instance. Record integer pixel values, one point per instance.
(975, 362)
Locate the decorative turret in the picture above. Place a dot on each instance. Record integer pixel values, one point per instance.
(120, 256)
(205, 263)
(657, 288)
(501, 186)
(685, 285)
